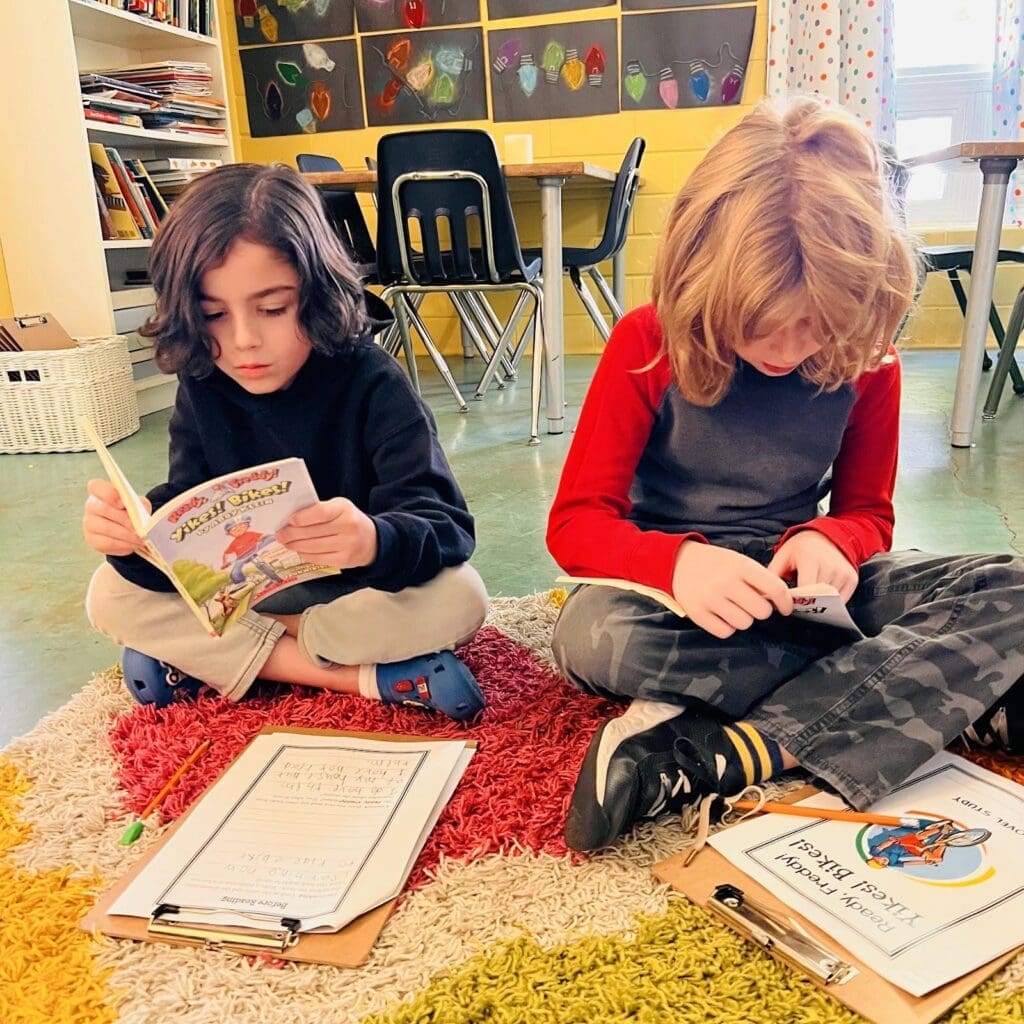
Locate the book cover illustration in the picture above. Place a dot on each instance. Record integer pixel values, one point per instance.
(218, 541)
(921, 903)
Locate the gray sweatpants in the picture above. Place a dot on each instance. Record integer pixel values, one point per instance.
(363, 627)
(944, 641)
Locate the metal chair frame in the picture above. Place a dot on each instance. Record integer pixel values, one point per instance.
(467, 299)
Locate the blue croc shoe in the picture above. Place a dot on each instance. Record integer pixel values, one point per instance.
(433, 682)
(154, 682)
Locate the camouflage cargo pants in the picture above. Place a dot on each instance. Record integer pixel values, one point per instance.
(944, 641)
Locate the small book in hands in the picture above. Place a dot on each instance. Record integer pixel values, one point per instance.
(820, 616)
(216, 542)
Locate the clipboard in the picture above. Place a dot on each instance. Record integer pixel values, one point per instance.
(713, 882)
(347, 947)
(37, 333)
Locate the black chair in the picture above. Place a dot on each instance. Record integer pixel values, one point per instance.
(954, 260)
(447, 183)
(346, 217)
(577, 261)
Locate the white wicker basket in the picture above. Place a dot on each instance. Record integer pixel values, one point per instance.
(43, 396)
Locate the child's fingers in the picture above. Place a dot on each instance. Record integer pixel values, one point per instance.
(105, 492)
(771, 586)
(322, 512)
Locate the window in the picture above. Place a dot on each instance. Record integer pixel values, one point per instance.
(944, 51)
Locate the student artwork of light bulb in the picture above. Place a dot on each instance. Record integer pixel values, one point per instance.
(387, 98)
(246, 10)
(414, 13)
(268, 24)
(443, 93)
(574, 74)
(635, 81)
(595, 65)
(732, 84)
(552, 60)
(700, 82)
(507, 55)
(273, 101)
(306, 120)
(421, 74)
(321, 7)
(398, 55)
(316, 57)
(320, 101)
(668, 88)
(527, 74)
(290, 73)
(451, 60)
(291, 6)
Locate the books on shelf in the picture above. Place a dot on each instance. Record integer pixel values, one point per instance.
(131, 198)
(167, 96)
(160, 165)
(190, 15)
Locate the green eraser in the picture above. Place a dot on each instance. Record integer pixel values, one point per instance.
(131, 833)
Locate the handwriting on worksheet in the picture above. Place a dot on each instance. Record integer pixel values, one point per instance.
(292, 845)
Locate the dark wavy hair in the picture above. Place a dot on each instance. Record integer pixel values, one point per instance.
(271, 205)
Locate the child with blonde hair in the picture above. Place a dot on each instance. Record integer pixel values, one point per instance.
(760, 377)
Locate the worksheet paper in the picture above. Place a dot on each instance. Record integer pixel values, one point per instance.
(920, 905)
(318, 829)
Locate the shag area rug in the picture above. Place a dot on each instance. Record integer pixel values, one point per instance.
(499, 923)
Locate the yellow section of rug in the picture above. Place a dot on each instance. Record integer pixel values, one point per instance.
(681, 966)
(47, 973)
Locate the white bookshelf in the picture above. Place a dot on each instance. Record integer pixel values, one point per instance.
(56, 258)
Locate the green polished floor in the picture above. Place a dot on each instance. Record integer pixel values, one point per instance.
(947, 501)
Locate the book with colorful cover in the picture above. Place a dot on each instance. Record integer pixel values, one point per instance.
(216, 541)
(120, 215)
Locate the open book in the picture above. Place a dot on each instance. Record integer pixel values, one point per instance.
(215, 542)
(818, 606)
(303, 833)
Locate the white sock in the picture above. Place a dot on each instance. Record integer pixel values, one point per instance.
(368, 682)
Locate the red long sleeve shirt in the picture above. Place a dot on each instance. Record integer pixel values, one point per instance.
(647, 470)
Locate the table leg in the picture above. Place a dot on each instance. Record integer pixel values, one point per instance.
(996, 173)
(554, 324)
(619, 277)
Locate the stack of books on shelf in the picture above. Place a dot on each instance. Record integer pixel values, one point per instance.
(170, 96)
(172, 174)
(192, 15)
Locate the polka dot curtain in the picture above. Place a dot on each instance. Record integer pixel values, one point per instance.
(840, 49)
(1007, 80)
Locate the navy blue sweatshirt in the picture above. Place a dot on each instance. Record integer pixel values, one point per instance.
(365, 435)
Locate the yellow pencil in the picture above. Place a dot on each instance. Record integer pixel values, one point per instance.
(134, 830)
(828, 813)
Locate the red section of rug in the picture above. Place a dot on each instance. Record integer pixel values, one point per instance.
(531, 740)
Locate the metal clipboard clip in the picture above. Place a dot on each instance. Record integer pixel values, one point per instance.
(276, 938)
(798, 949)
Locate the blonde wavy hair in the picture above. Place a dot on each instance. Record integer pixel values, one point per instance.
(790, 206)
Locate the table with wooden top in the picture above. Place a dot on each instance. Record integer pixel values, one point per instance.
(553, 178)
(997, 161)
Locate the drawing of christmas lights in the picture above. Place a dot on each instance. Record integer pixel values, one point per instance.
(595, 64)
(574, 74)
(527, 74)
(701, 75)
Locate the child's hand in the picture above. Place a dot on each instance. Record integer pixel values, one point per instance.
(724, 591)
(105, 521)
(813, 558)
(332, 532)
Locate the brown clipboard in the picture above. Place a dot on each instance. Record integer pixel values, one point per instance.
(873, 997)
(348, 947)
